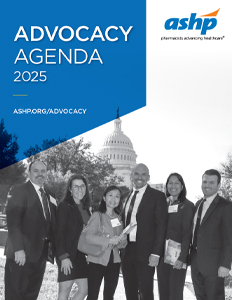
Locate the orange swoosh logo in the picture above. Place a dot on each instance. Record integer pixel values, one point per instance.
(213, 14)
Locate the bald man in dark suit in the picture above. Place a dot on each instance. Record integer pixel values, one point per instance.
(147, 207)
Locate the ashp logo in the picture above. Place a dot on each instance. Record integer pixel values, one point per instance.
(203, 23)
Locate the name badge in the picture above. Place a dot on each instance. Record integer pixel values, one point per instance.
(173, 209)
(115, 222)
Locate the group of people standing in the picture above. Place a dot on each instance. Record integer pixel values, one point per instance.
(72, 214)
(38, 231)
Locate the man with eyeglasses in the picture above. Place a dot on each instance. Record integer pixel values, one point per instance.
(31, 227)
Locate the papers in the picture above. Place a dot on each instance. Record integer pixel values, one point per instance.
(172, 252)
(129, 228)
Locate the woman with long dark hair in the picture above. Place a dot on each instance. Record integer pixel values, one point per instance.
(72, 214)
(171, 278)
(108, 221)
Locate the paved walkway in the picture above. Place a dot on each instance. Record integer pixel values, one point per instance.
(120, 292)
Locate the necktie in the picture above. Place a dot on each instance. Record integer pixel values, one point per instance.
(132, 203)
(44, 197)
(45, 205)
(198, 224)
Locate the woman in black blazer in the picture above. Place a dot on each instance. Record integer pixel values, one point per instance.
(171, 278)
(72, 214)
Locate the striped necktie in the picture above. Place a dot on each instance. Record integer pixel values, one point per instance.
(132, 203)
(45, 205)
(198, 224)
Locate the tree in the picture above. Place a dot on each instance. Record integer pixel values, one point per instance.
(34, 151)
(70, 157)
(226, 167)
(8, 147)
(14, 174)
(226, 189)
(11, 171)
(226, 170)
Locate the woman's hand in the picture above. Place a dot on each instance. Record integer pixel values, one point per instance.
(178, 265)
(122, 237)
(114, 240)
(66, 266)
(122, 241)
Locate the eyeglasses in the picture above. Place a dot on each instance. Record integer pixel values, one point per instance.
(77, 187)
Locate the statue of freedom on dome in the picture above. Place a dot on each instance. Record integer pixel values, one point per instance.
(117, 116)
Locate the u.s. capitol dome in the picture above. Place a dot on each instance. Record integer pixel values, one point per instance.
(118, 148)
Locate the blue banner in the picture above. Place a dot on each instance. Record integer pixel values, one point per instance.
(67, 66)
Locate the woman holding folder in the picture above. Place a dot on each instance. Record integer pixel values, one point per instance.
(171, 271)
(107, 221)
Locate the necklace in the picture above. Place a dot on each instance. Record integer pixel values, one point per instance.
(111, 216)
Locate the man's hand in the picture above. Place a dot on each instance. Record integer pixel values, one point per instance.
(223, 272)
(178, 265)
(66, 266)
(153, 261)
(20, 257)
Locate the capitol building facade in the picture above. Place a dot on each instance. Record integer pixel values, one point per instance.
(118, 148)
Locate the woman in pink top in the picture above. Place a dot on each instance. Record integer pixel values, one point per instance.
(107, 266)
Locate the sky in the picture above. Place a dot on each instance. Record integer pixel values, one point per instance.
(186, 126)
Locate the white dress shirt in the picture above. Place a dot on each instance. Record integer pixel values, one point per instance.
(138, 199)
(37, 187)
(206, 205)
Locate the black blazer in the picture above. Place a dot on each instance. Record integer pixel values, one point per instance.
(69, 226)
(180, 227)
(214, 241)
(151, 219)
(26, 222)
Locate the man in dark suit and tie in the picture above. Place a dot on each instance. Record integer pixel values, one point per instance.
(211, 253)
(31, 227)
(147, 207)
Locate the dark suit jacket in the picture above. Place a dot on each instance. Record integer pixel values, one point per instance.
(26, 222)
(214, 241)
(180, 226)
(69, 226)
(151, 219)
